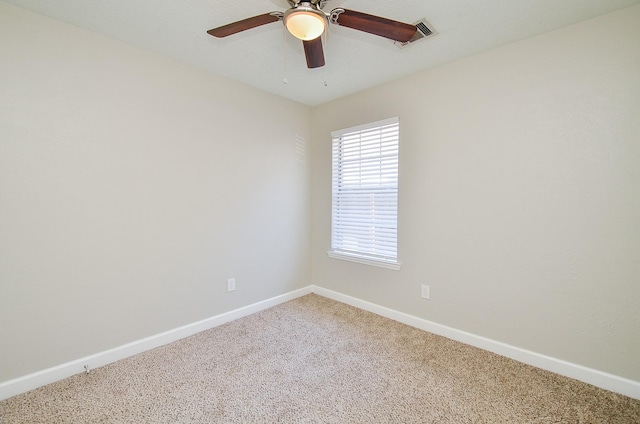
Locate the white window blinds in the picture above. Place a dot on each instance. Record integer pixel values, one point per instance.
(365, 192)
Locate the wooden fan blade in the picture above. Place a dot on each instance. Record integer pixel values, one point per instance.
(244, 25)
(398, 31)
(314, 53)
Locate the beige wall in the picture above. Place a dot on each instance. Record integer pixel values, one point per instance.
(131, 188)
(519, 194)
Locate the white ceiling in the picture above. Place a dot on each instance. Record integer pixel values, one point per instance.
(265, 57)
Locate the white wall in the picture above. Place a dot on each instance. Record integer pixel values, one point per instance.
(131, 188)
(519, 194)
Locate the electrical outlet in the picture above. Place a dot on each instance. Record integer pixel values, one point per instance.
(231, 284)
(426, 291)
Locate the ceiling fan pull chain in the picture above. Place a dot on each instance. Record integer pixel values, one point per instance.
(324, 36)
(285, 80)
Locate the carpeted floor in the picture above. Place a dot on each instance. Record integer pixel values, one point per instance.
(314, 360)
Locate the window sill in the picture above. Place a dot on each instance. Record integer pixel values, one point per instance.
(365, 260)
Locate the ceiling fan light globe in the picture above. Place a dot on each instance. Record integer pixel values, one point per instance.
(305, 24)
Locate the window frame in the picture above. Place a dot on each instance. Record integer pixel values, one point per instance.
(387, 153)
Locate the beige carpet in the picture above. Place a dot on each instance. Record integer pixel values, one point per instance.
(313, 360)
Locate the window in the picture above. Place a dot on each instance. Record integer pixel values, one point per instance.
(364, 219)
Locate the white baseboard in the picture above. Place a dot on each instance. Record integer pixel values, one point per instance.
(591, 376)
(32, 381)
(588, 375)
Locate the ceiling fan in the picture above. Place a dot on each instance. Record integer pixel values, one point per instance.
(307, 21)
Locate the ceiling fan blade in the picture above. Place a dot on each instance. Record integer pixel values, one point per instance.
(245, 24)
(398, 31)
(314, 53)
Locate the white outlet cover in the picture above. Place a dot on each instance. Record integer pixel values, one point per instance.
(231, 284)
(426, 291)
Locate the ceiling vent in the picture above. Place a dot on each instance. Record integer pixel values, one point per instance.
(425, 30)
